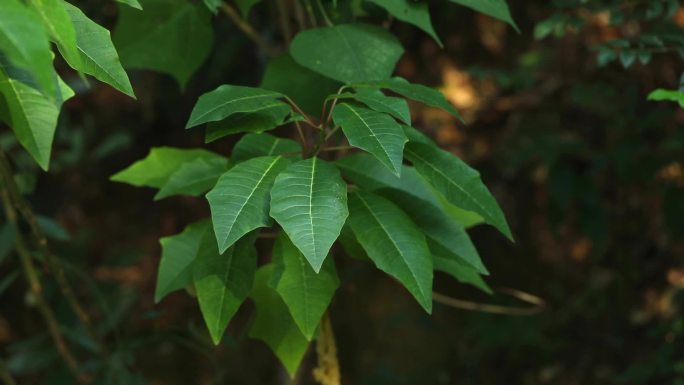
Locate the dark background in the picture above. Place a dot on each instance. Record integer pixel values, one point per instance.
(587, 170)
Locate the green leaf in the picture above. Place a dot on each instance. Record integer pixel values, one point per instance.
(605, 56)
(194, 177)
(375, 132)
(466, 218)
(254, 145)
(25, 43)
(370, 174)
(644, 56)
(170, 36)
(414, 135)
(546, 27)
(351, 246)
(417, 92)
(377, 101)
(213, 5)
(240, 200)
(497, 9)
(393, 243)
(178, 253)
(227, 100)
(307, 88)
(348, 53)
(418, 200)
(273, 323)
(245, 6)
(439, 229)
(31, 115)
(668, 95)
(159, 164)
(627, 58)
(223, 281)
(459, 183)
(58, 24)
(462, 272)
(97, 55)
(306, 293)
(412, 12)
(131, 3)
(309, 200)
(271, 115)
(52, 229)
(367, 172)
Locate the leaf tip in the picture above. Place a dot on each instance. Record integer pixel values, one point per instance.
(426, 304)
(116, 177)
(44, 164)
(216, 336)
(158, 196)
(506, 231)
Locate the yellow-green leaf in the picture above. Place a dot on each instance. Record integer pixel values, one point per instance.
(160, 163)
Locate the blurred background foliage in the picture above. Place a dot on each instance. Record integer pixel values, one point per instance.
(589, 172)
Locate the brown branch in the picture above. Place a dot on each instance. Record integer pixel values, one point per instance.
(331, 133)
(36, 289)
(302, 137)
(332, 106)
(307, 118)
(247, 29)
(538, 303)
(335, 148)
(53, 263)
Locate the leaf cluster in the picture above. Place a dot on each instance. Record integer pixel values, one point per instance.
(358, 174)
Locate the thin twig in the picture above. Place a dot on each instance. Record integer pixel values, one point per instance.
(301, 112)
(331, 133)
(247, 29)
(53, 263)
(538, 303)
(301, 134)
(332, 106)
(327, 20)
(36, 289)
(336, 148)
(310, 12)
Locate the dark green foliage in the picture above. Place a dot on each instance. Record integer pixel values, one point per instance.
(327, 162)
